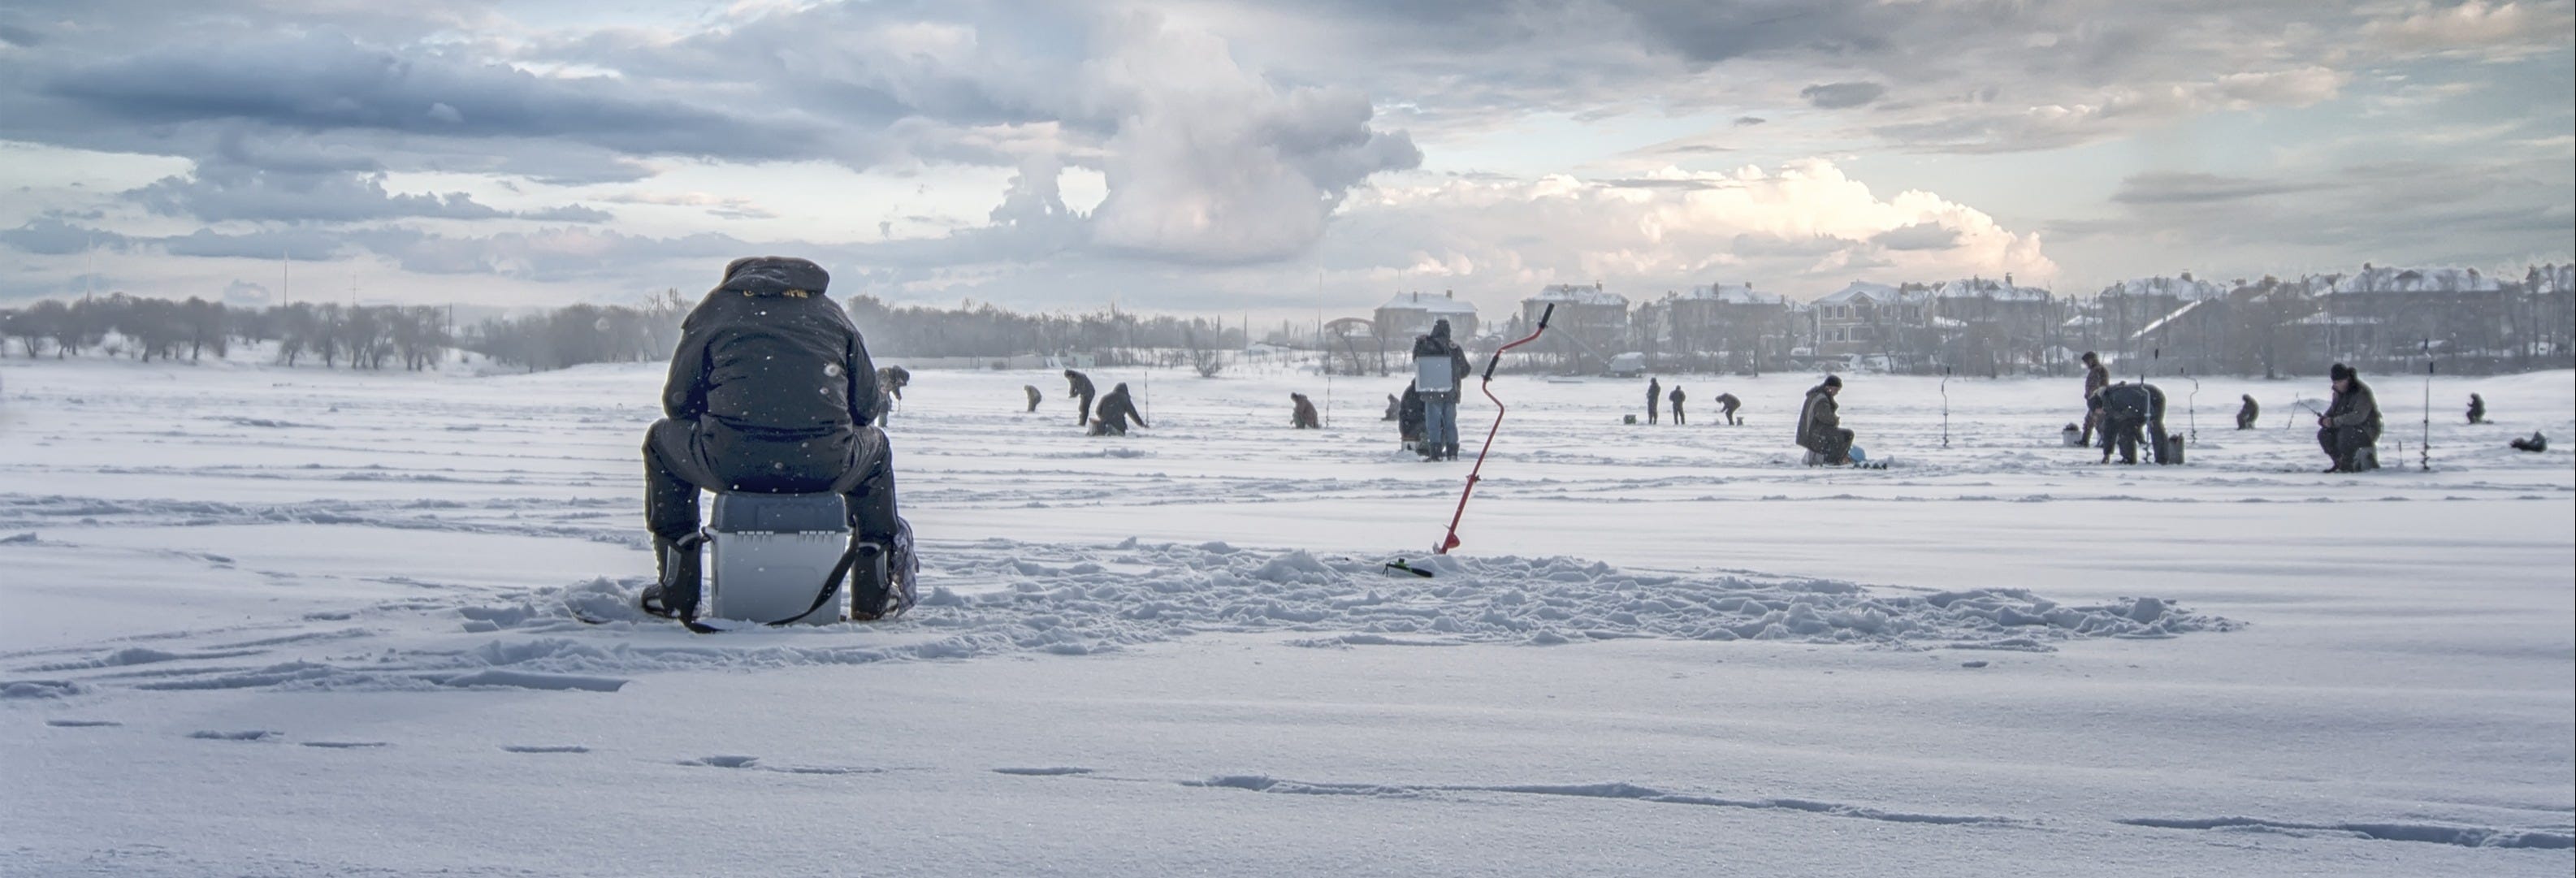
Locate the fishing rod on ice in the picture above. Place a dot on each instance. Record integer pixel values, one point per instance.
(1451, 541)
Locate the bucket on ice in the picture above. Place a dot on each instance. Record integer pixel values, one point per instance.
(770, 553)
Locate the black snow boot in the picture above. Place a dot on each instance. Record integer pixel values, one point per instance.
(675, 594)
(872, 592)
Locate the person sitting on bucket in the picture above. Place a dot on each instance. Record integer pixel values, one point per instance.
(2477, 409)
(771, 392)
(1820, 425)
(1301, 413)
(2245, 415)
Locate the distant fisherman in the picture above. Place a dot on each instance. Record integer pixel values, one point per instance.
(2477, 409)
(1726, 406)
(1034, 396)
(1078, 385)
(1654, 399)
(1115, 410)
(2096, 377)
(1302, 416)
(2245, 416)
(1677, 397)
(1820, 424)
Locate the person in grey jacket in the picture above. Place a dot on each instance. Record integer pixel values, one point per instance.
(2096, 377)
(2350, 424)
(770, 391)
(1078, 386)
(2245, 415)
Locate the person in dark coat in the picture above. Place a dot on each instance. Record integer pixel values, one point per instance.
(1408, 417)
(2536, 443)
(2350, 425)
(2246, 414)
(1078, 386)
(1116, 409)
(770, 391)
(1302, 416)
(1654, 399)
(2477, 409)
(1394, 408)
(2096, 377)
(1726, 406)
(1820, 424)
(1677, 397)
(1436, 355)
(891, 381)
(1034, 396)
(2124, 410)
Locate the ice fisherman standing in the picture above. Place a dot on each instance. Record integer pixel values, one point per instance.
(1440, 371)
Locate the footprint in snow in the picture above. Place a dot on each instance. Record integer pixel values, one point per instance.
(723, 761)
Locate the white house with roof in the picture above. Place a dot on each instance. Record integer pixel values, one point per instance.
(1863, 317)
(1411, 314)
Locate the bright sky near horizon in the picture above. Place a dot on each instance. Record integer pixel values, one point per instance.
(1217, 156)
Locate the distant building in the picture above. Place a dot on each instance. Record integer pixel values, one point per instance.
(1589, 324)
(1866, 318)
(1411, 314)
(1991, 326)
(1726, 326)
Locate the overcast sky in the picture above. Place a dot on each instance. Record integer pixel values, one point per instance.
(1269, 159)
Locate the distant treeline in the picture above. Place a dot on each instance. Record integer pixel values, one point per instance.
(985, 330)
(415, 336)
(361, 336)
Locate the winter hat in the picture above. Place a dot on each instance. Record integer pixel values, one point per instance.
(1440, 327)
(772, 275)
(1833, 381)
(2339, 372)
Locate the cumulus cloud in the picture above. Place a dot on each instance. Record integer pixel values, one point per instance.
(223, 192)
(1213, 163)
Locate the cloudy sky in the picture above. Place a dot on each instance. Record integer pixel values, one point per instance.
(1266, 159)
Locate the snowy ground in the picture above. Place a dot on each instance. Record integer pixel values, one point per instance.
(299, 622)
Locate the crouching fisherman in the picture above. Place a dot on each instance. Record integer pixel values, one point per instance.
(2349, 428)
(771, 392)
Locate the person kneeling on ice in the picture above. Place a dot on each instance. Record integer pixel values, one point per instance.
(2349, 428)
(1820, 425)
(2122, 410)
(770, 392)
(1113, 411)
(1301, 414)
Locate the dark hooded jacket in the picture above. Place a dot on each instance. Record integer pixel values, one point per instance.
(765, 357)
(2144, 403)
(1078, 384)
(1438, 344)
(1818, 419)
(1116, 409)
(2355, 406)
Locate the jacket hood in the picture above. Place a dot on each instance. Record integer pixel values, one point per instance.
(774, 275)
(1440, 328)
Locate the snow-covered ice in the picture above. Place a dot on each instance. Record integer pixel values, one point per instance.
(257, 620)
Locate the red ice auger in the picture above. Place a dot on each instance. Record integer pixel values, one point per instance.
(1451, 541)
